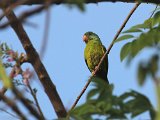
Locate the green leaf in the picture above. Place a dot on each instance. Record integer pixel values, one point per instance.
(142, 73)
(125, 50)
(78, 3)
(141, 26)
(92, 93)
(153, 64)
(124, 37)
(4, 77)
(139, 104)
(156, 18)
(132, 30)
(117, 114)
(84, 109)
(103, 90)
(148, 23)
(135, 48)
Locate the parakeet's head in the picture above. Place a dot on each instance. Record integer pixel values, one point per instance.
(88, 36)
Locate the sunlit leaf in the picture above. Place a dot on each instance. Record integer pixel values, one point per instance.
(132, 30)
(4, 77)
(124, 37)
(92, 93)
(156, 18)
(84, 109)
(135, 48)
(141, 26)
(148, 23)
(125, 50)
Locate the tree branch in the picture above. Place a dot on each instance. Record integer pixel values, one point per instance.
(13, 106)
(36, 101)
(35, 2)
(23, 16)
(34, 59)
(24, 101)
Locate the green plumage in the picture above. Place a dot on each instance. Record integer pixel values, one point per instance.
(93, 53)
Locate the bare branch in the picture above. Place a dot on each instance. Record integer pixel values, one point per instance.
(11, 114)
(13, 106)
(36, 101)
(34, 59)
(22, 59)
(107, 52)
(27, 104)
(35, 2)
(12, 6)
(154, 11)
(24, 15)
(46, 32)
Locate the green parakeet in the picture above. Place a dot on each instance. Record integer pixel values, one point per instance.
(93, 53)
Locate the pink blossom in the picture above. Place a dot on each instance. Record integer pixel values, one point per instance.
(26, 82)
(10, 60)
(26, 76)
(10, 52)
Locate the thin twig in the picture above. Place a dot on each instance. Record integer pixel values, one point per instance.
(11, 114)
(38, 66)
(22, 59)
(12, 6)
(24, 101)
(3, 90)
(36, 101)
(26, 14)
(153, 11)
(13, 106)
(46, 33)
(107, 52)
(40, 2)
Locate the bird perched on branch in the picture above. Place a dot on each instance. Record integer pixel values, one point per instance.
(93, 53)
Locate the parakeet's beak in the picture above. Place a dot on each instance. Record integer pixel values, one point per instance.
(85, 38)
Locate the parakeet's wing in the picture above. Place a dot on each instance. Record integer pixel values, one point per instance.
(105, 59)
(87, 65)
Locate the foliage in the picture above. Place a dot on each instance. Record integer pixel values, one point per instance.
(149, 68)
(3, 75)
(101, 102)
(78, 3)
(147, 36)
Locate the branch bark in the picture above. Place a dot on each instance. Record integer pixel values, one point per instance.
(34, 59)
(34, 2)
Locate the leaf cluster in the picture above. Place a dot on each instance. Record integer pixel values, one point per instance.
(102, 103)
(141, 36)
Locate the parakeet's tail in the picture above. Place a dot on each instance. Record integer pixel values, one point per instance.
(103, 76)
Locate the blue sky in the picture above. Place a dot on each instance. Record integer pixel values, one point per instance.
(64, 59)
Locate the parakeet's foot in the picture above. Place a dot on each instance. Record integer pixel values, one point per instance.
(96, 67)
(93, 73)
